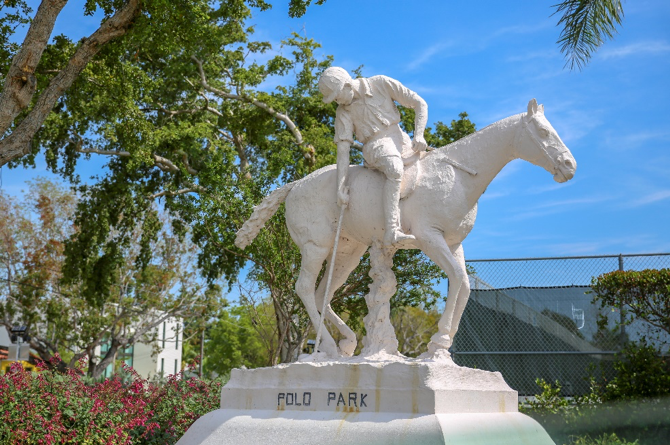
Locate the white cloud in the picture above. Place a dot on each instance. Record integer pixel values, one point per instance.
(473, 45)
(427, 54)
(635, 140)
(650, 198)
(534, 55)
(509, 170)
(572, 202)
(554, 207)
(573, 124)
(579, 248)
(635, 49)
(522, 29)
(493, 195)
(551, 188)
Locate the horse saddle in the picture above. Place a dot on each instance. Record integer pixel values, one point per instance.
(411, 173)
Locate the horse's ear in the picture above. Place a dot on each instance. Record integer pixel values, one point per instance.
(540, 108)
(532, 107)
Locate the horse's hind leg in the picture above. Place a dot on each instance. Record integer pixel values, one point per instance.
(312, 260)
(463, 292)
(347, 257)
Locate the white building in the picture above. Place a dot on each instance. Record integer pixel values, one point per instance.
(160, 358)
(144, 357)
(4, 337)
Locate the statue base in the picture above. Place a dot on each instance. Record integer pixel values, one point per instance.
(351, 402)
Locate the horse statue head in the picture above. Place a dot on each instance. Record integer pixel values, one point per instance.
(538, 143)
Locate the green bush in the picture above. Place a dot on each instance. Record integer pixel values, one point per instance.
(634, 405)
(641, 373)
(605, 439)
(640, 295)
(49, 407)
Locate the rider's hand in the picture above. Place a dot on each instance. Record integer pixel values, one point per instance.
(419, 143)
(343, 196)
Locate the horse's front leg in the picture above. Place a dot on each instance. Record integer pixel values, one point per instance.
(451, 261)
(312, 259)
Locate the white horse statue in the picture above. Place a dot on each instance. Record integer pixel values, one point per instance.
(439, 212)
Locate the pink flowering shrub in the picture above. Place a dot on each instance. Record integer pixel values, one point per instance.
(61, 408)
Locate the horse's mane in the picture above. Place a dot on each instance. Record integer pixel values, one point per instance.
(477, 133)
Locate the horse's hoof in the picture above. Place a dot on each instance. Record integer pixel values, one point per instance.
(438, 353)
(329, 348)
(347, 347)
(439, 341)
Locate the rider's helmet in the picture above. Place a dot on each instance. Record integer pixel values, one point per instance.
(332, 81)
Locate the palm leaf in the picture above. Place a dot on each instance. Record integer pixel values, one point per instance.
(586, 25)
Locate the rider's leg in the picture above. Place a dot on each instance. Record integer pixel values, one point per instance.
(392, 167)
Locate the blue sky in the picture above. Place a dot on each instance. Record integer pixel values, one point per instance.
(489, 58)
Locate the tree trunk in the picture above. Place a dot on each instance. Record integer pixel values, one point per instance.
(17, 94)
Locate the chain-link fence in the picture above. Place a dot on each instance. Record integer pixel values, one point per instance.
(534, 318)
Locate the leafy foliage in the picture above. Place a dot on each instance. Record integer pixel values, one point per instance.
(187, 121)
(586, 26)
(633, 405)
(641, 373)
(233, 342)
(414, 327)
(49, 407)
(643, 295)
(444, 134)
(604, 439)
(65, 318)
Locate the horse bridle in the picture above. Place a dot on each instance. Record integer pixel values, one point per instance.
(538, 141)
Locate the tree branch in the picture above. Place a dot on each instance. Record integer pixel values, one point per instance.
(20, 83)
(17, 144)
(297, 135)
(194, 189)
(161, 162)
(104, 152)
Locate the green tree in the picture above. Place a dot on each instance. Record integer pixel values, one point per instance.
(61, 319)
(43, 68)
(413, 327)
(640, 295)
(587, 24)
(185, 123)
(233, 342)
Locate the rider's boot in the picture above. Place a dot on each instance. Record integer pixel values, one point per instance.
(394, 234)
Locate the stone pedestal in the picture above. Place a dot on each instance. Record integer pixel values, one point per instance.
(407, 402)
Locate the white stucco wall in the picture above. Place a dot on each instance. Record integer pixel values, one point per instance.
(169, 344)
(4, 336)
(170, 347)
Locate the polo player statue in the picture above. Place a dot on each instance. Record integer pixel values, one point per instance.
(440, 193)
(367, 109)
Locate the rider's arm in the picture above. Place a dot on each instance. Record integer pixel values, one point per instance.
(408, 98)
(344, 138)
(342, 173)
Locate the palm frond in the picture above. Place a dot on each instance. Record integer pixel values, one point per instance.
(586, 25)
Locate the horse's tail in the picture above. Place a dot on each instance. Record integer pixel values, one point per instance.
(262, 212)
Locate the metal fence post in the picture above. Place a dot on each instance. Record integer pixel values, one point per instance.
(621, 314)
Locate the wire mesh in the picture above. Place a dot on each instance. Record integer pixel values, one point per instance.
(532, 318)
